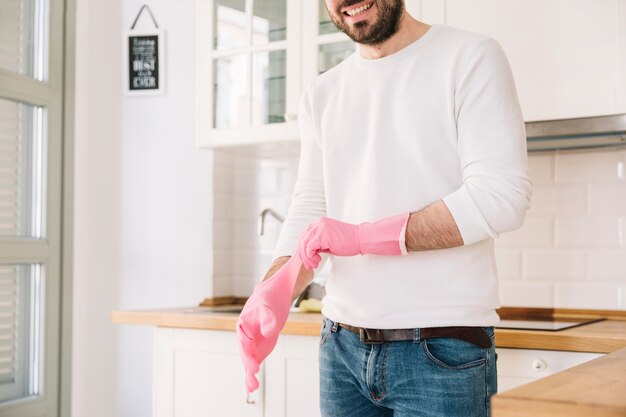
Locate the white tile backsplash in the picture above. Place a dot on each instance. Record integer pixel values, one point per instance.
(509, 264)
(558, 200)
(245, 261)
(222, 261)
(245, 235)
(570, 252)
(554, 264)
(223, 234)
(222, 180)
(246, 208)
(535, 232)
(526, 294)
(246, 182)
(607, 265)
(222, 206)
(243, 285)
(607, 199)
(222, 285)
(592, 296)
(587, 232)
(588, 166)
(541, 168)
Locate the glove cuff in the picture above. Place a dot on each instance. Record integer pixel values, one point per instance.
(384, 237)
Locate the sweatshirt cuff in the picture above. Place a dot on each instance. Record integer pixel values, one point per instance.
(469, 220)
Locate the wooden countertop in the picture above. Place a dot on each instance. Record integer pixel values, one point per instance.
(601, 337)
(595, 388)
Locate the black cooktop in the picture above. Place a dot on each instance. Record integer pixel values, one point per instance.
(551, 325)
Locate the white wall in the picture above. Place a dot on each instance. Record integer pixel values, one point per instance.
(142, 205)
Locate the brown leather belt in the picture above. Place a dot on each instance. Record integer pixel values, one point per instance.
(474, 335)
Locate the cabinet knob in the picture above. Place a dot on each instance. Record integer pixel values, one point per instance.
(291, 117)
(249, 399)
(539, 365)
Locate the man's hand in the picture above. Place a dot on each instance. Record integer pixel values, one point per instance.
(263, 317)
(384, 237)
(329, 236)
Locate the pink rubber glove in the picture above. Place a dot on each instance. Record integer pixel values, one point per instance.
(384, 237)
(263, 317)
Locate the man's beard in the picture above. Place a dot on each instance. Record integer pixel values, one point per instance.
(363, 32)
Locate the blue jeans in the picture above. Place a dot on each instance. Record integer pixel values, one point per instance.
(442, 377)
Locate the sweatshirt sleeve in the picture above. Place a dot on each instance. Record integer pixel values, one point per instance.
(496, 189)
(308, 202)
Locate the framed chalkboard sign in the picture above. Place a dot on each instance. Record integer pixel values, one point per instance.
(145, 63)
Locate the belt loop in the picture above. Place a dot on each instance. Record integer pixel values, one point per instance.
(416, 338)
(334, 328)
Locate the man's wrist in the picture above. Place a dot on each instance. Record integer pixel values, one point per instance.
(276, 265)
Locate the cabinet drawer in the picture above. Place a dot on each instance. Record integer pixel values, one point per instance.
(535, 364)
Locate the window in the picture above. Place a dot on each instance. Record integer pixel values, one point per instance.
(31, 116)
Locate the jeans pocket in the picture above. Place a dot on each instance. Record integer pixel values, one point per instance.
(456, 354)
(327, 325)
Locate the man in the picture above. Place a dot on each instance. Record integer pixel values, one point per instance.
(413, 158)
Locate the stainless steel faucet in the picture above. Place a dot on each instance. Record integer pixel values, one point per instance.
(261, 223)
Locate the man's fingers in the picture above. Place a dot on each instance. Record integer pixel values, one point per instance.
(303, 245)
(267, 321)
(251, 382)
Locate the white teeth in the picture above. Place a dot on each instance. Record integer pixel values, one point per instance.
(359, 10)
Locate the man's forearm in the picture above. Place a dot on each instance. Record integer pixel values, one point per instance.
(432, 228)
(304, 276)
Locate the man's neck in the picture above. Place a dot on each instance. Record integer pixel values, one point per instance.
(410, 30)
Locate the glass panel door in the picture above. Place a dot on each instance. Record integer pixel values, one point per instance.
(230, 92)
(249, 83)
(331, 54)
(269, 87)
(325, 24)
(231, 24)
(269, 21)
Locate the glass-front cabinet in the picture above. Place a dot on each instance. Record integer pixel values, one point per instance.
(254, 58)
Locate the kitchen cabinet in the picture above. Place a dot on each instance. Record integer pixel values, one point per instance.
(198, 373)
(568, 57)
(248, 57)
(254, 58)
(521, 366)
(292, 378)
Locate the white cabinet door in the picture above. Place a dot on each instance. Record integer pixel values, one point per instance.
(198, 373)
(520, 366)
(564, 54)
(292, 378)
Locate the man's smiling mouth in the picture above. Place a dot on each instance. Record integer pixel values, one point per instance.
(358, 10)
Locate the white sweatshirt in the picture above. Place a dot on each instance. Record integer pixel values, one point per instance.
(439, 119)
